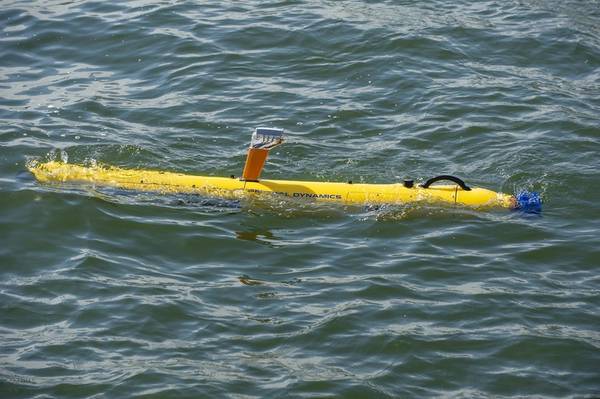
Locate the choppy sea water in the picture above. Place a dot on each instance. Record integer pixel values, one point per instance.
(105, 293)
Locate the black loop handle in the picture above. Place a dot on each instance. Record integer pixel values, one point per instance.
(454, 179)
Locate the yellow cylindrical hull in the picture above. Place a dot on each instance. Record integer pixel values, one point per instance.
(233, 188)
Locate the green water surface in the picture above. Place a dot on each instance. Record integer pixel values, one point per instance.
(112, 294)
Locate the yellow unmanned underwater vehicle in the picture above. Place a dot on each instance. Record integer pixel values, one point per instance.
(250, 184)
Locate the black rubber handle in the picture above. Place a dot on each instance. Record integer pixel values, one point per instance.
(454, 179)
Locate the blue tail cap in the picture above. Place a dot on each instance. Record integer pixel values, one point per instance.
(529, 202)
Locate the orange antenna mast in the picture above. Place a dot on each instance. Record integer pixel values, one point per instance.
(263, 140)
